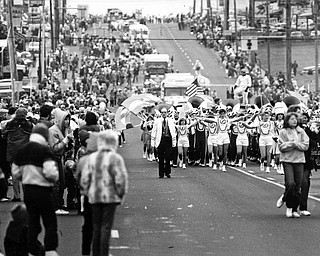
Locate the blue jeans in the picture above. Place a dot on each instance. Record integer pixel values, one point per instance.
(293, 174)
(102, 219)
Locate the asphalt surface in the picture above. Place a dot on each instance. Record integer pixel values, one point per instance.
(198, 211)
(167, 38)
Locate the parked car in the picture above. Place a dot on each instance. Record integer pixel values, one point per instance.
(313, 34)
(310, 70)
(33, 47)
(297, 35)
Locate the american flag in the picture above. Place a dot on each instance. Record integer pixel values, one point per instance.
(194, 89)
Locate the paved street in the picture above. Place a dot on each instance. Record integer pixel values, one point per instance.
(167, 38)
(198, 211)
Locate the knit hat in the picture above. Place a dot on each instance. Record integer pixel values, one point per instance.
(45, 110)
(21, 113)
(42, 130)
(19, 213)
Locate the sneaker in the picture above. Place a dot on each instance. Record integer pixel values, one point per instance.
(120, 146)
(61, 212)
(202, 165)
(180, 164)
(280, 201)
(124, 142)
(262, 166)
(144, 155)
(240, 163)
(223, 168)
(268, 170)
(289, 213)
(296, 215)
(5, 199)
(210, 163)
(51, 253)
(305, 213)
(215, 167)
(280, 170)
(272, 163)
(184, 166)
(275, 167)
(244, 166)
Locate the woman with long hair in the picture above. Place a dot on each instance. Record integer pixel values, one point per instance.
(293, 141)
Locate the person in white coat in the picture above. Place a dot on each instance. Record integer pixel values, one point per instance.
(164, 137)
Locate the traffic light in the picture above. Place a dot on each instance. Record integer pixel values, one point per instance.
(249, 44)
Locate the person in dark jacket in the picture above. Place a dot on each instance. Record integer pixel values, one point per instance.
(91, 125)
(15, 240)
(35, 165)
(45, 115)
(17, 133)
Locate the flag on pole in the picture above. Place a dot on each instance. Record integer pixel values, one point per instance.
(194, 89)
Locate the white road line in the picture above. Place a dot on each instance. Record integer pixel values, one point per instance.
(271, 178)
(114, 233)
(268, 181)
(123, 248)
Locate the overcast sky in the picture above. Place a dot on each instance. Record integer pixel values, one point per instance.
(155, 7)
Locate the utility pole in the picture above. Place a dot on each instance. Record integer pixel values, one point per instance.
(201, 8)
(12, 55)
(194, 6)
(51, 25)
(226, 14)
(251, 13)
(268, 34)
(64, 3)
(315, 12)
(43, 45)
(209, 18)
(288, 42)
(56, 21)
(235, 24)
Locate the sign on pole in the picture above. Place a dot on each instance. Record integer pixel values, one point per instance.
(249, 43)
(249, 40)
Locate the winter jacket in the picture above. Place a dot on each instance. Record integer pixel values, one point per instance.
(17, 133)
(104, 177)
(35, 164)
(290, 153)
(57, 133)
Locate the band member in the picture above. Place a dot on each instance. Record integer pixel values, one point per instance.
(200, 143)
(223, 137)
(183, 140)
(212, 128)
(163, 137)
(278, 125)
(242, 143)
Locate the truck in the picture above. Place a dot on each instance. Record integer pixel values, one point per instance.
(22, 70)
(174, 87)
(156, 66)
